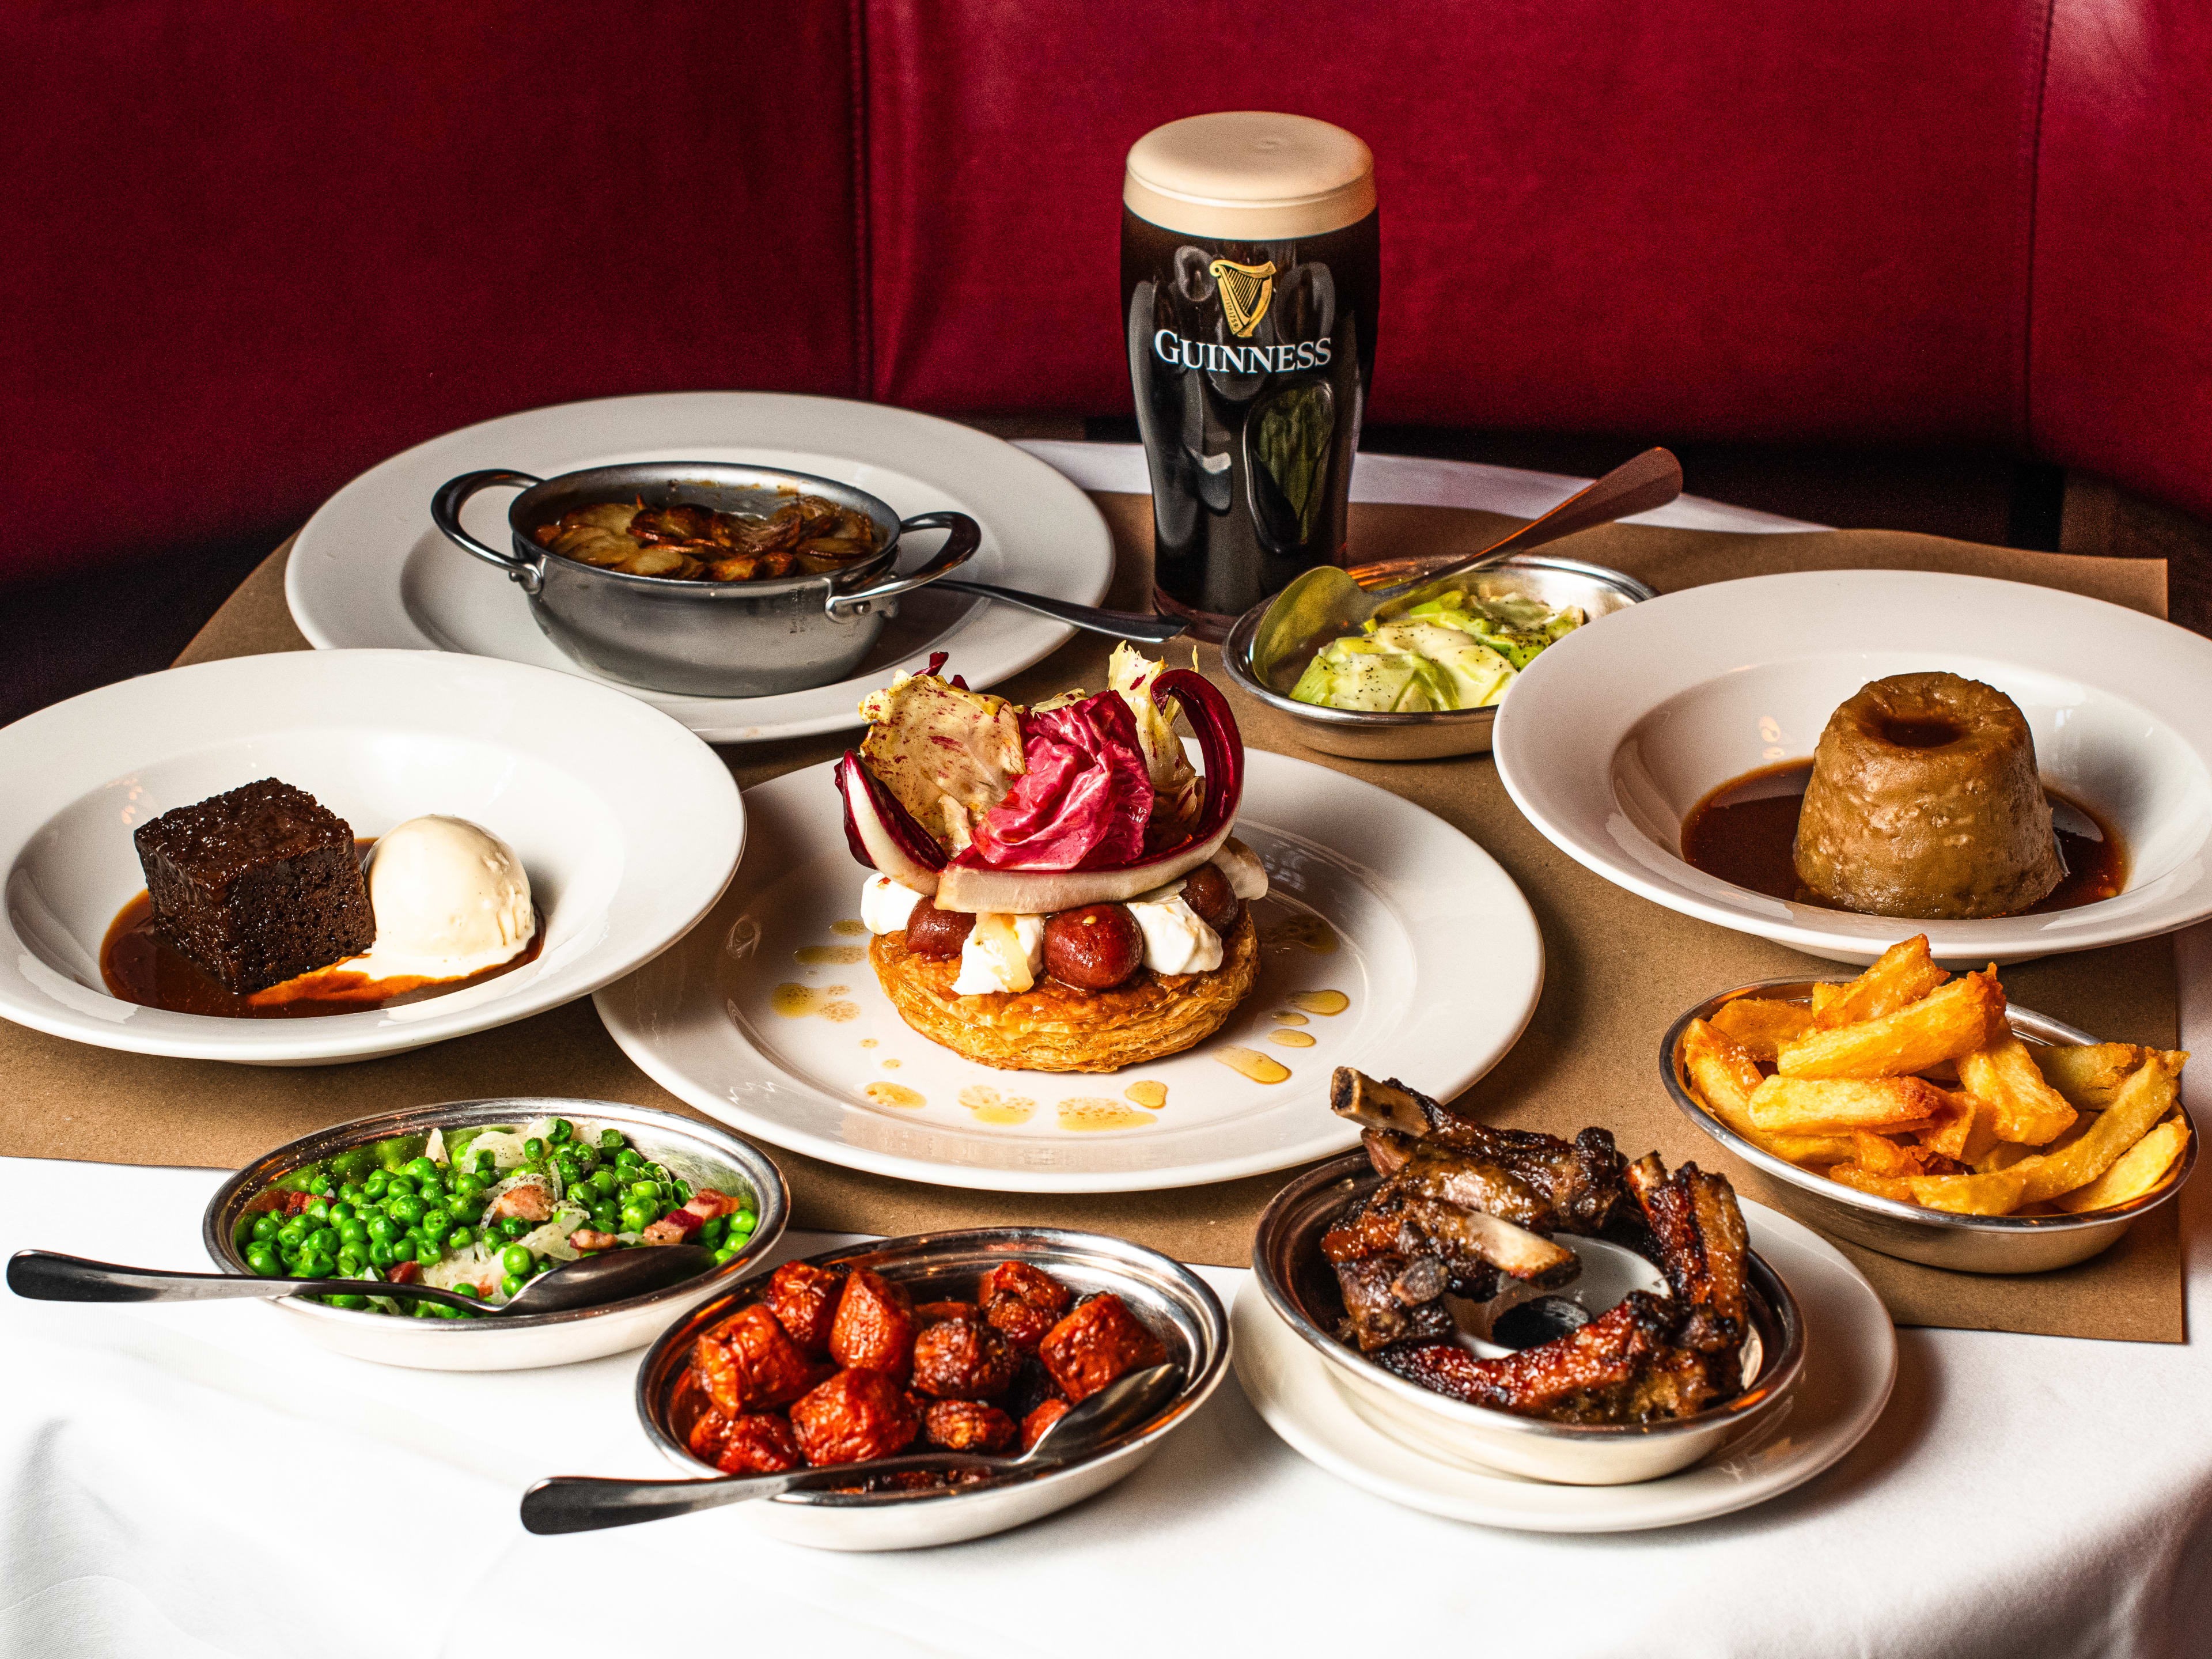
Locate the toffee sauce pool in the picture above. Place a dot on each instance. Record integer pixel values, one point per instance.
(1746, 832)
(139, 966)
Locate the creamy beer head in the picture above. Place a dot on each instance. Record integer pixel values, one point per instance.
(1248, 175)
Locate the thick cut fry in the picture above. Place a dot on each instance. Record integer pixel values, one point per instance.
(1864, 1181)
(1724, 1076)
(2140, 1169)
(2143, 1099)
(2003, 1156)
(1903, 974)
(1997, 1193)
(1804, 1106)
(1967, 1130)
(2089, 1076)
(1954, 1019)
(2023, 1107)
(1759, 1025)
(1880, 1154)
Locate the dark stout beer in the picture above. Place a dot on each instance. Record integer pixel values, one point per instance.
(1250, 270)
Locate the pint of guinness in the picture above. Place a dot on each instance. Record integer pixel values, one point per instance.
(1249, 269)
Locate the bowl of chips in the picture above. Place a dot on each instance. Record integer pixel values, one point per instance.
(1919, 1114)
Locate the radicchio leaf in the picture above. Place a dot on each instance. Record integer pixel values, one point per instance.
(1083, 797)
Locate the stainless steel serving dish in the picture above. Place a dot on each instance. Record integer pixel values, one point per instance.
(1301, 1287)
(1556, 582)
(702, 1154)
(702, 638)
(1176, 1302)
(1965, 1244)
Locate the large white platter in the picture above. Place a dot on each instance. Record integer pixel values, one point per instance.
(369, 570)
(628, 826)
(1850, 1362)
(1611, 737)
(1435, 948)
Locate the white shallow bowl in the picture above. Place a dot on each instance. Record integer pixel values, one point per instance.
(1179, 1307)
(628, 826)
(1611, 737)
(702, 1155)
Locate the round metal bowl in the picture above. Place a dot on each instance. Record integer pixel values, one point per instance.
(1556, 582)
(1177, 1305)
(704, 639)
(702, 1155)
(1965, 1244)
(1301, 1287)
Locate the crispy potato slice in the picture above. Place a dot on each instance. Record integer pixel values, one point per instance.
(2143, 1099)
(1901, 974)
(2139, 1168)
(1998, 1193)
(1881, 1155)
(2025, 1107)
(1724, 1076)
(1952, 1020)
(1759, 1025)
(1864, 1181)
(2003, 1156)
(1803, 1106)
(2090, 1075)
(1967, 1130)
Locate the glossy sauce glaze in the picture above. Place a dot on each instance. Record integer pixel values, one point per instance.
(1746, 832)
(137, 966)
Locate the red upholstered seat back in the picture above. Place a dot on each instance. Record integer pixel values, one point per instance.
(247, 250)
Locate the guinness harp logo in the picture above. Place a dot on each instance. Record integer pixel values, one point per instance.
(1245, 293)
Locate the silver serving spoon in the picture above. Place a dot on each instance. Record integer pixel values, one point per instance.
(1323, 604)
(1142, 626)
(590, 1282)
(575, 1503)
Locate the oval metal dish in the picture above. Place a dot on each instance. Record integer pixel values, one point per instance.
(1965, 1243)
(1600, 591)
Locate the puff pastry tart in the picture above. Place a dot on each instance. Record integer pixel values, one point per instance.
(1056, 888)
(1053, 1027)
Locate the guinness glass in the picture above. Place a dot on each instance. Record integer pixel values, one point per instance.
(1249, 269)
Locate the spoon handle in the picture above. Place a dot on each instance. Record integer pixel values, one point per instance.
(1120, 624)
(48, 1276)
(576, 1503)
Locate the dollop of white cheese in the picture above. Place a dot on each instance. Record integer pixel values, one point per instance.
(1247, 877)
(1003, 953)
(1176, 940)
(885, 905)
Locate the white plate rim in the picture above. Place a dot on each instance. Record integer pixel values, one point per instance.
(633, 1018)
(1529, 761)
(1060, 544)
(268, 680)
(1318, 1423)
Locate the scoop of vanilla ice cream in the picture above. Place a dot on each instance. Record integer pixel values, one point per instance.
(450, 900)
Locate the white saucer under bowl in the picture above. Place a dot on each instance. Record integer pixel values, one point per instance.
(628, 826)
(1611, 738)
(370, 571)
(769, 1016)
(1850, 1362)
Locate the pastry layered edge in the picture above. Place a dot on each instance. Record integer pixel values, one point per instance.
(1053, 1027)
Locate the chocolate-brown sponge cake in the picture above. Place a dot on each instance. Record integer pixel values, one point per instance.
(1925, 802)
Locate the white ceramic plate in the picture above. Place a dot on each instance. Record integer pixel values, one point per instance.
(1609, 739)
(369, 570)
(1435, 948)
(628, 826)
(1850, 1362)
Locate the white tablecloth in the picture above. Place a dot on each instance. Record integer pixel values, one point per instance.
(186, 1481)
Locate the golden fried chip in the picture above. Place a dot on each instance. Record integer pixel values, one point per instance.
(1967, 1131)
(1954, 1019)
(2143, 1100)
(2003, 1156)
(2089, 1075)
(1901, 974)
(1864, 1181)
(1997, 1193)
(2023, 1107)
(1758, 1024)
(2140, 1169)
(1724, 1076)
(1803, 1106)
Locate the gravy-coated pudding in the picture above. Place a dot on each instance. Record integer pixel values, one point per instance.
(1925, 802)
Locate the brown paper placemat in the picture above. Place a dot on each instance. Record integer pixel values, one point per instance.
(1619, 971)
